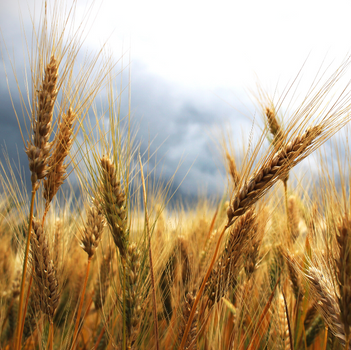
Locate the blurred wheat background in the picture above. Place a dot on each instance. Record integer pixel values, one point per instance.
(111, 239)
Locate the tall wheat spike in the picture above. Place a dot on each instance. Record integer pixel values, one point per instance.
(38, 148)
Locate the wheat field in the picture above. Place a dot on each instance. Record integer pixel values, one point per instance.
(120, 266)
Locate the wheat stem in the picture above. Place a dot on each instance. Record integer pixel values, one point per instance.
(26, 305)
(326, 338)
(52, 335)
(49, 345)
(150, 255)
(285, 182)
(75, 335)
(24, 271)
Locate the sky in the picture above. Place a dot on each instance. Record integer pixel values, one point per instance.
(193, 66)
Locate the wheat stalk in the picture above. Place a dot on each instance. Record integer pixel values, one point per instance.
(283, 320)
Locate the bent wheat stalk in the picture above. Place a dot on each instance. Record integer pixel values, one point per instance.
(253, 189)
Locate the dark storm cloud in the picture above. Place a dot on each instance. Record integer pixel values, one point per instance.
(178, 121)
(184, 120)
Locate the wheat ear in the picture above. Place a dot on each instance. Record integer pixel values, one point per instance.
(296, 285)
(233, 172)
(277, 133)
(310, 316)
(293, 218)
(38, 148)
(56, 169)
(188, 303)
(45, 277)
(133, 295)
(273, 124)
(114, 205)
(92, 232)
(275, 167)
(224, 275)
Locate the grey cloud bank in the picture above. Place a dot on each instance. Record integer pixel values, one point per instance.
(180, 123)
